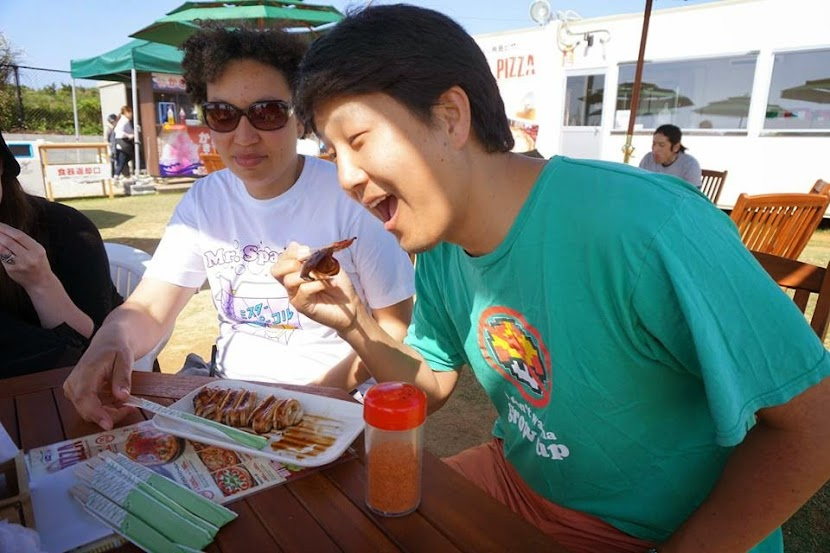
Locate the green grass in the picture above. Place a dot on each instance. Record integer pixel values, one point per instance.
(135, 220)
(465, 420)
(809, 530)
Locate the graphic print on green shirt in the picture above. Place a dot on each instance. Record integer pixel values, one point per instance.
(511, 346)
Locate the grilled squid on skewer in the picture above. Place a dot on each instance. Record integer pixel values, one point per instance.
(207, 401)
(240, 408)
(322, 262)
(263, 415)
(288, 413)
(226, 406)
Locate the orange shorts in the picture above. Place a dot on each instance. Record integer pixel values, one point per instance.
(578, 532)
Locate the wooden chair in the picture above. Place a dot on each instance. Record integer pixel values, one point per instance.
(821, 187)
(211, 162)
(711, 183)
(780, 224)
(804, 279)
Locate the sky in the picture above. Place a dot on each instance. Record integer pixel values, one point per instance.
(50, 33)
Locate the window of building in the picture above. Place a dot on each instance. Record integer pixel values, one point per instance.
(710, 93)
(799, 95)
(583, 100)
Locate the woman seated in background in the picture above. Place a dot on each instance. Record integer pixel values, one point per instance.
(669, 156)
(55, 286)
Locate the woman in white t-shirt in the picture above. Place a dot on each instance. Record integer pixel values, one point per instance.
(124, 142)
(232, 225)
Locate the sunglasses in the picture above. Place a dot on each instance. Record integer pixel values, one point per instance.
(264, 116)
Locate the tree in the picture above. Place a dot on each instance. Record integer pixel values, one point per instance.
(44, 108)
(9, 57)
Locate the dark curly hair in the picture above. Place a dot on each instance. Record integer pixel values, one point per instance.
(208, 52)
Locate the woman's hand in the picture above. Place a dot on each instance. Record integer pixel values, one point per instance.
(101, 380)
(28, 265)
(332, 302)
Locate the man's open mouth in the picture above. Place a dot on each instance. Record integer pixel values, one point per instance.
(385, 207)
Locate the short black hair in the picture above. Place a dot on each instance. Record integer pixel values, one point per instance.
(673, 133)
(209, 50)
(411, 54)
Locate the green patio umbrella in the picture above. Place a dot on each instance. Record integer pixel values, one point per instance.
(738, 106)
(649, 93)
(122, 64)
(734, 106)
(175, 27)
(652, 98)
(817, 92)
(117, 64)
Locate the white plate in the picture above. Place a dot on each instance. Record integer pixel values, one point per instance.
(328, 427)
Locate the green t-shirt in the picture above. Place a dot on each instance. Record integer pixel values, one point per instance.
(626, 337)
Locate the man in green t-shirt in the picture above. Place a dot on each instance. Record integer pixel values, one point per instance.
(655, 389)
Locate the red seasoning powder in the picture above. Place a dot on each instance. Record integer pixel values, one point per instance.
(394, 484)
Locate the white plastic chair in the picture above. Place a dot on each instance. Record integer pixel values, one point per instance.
(127, 266)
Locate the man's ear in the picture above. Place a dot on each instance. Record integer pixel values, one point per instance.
(452, 112)
(300, 129)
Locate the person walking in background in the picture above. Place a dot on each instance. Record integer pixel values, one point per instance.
(124, 142)
(55, 286)
(109, 135)
(644, 404)
(669, 156)
(232, 225)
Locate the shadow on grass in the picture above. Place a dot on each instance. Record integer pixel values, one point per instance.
(106, 219)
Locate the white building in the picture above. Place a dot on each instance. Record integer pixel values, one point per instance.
(748, 82)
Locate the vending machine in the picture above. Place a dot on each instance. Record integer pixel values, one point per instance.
(27, 154)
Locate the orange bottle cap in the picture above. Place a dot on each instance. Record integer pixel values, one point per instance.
(394, 406)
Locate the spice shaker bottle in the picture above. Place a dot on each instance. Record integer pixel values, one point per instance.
(394, 413)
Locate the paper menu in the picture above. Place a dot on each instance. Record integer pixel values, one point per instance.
(216, 473)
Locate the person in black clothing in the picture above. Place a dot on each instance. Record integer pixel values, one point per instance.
(55, 286)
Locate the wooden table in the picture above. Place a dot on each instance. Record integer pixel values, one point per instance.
(324, 511)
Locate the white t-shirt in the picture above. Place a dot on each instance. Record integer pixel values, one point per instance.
(684, 166)
(123, 127)
(221, 233)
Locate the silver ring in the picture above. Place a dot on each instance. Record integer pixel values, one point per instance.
(7, 258)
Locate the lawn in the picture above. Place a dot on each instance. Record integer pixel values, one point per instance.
(464, 421)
